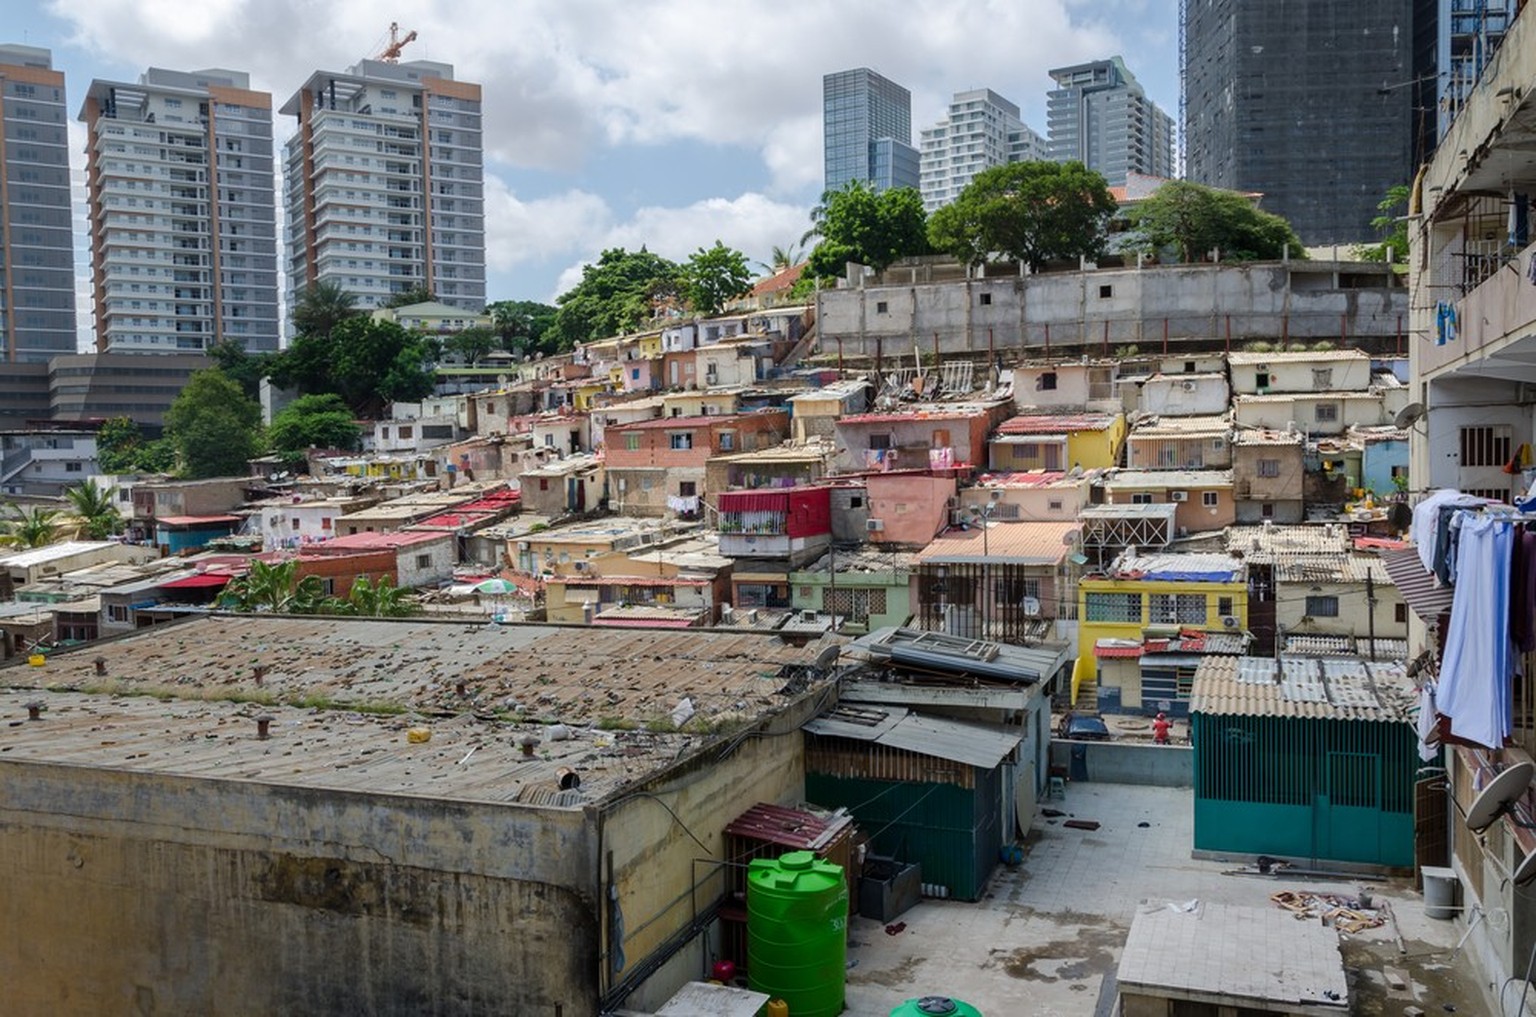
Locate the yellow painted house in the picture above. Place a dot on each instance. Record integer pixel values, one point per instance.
(1057, 441)
(1163, 593)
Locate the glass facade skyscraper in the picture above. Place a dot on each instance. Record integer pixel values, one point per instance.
(867, 127)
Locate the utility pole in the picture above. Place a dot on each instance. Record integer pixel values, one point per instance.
(832, 581)
(1370, 609)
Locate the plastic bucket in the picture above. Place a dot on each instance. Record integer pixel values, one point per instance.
(37, 660)
(1439, 892)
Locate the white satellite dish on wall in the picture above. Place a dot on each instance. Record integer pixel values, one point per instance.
(1499, 797)
(1408, 415)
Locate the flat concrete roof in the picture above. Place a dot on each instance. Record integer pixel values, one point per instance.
(343, 692)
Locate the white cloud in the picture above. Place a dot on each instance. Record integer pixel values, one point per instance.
(519, 232)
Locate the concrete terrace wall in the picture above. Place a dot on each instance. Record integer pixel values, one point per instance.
(146, 893)
(1120, 763)
(1113, 307)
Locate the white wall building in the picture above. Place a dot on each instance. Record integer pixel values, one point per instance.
(384, 184)
(1300, 371)
(981, 130)
(1185, 395)
(182, 213)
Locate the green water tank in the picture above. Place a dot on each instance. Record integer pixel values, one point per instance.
(935, 1006)
(797, 932)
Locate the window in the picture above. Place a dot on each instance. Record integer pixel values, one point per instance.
(1400, 613)
(634, 374)
(1105, 292)
(543, 483)
(727, 440)
(1326, 413)
(1224, 606)
(986, 299)
(1323, 607)
(294, 523)
(117, 613)
(1189, 367)
(1267, 511)
(1269, 467)
(1322, 378)
(406, 432)
(1141, 498)
(1485, 446)
(1113, 607)
(1176, 609)
(687, 488)
(1399, 471)
(879, 441)
(631, 443)
(1210, 499)
(1048, 381)
(940, 437)
(1053, 505)
(855, 502)
(880, 307)
(680, 440)
(423, 561)
(74, 467)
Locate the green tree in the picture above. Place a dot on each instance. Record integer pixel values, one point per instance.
(34, 527)
(524, 326)
(712, 276)
(322, 307)
(381, 599)
(471, 345)
(1032, 212)
(318, 421)
(240, 366)
(215, 426)
(275, 587)
(865, 226)
(96, 508)
(616, 295)
(367, 363)
(784, 257)
(414, 295)
(1392, 224)
(121, 448)
(1194, 220)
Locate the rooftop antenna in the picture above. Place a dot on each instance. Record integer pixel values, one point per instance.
(397, 42)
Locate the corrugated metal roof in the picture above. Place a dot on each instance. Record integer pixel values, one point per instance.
(1135, 480)
(971, 744)
(1027, 543)
(1320, 688)
(1049, 423)
(1246, 358)
(1154, 427)
(1420, 589)
(787, 827)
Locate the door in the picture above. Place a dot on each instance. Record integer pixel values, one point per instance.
(1347, 819)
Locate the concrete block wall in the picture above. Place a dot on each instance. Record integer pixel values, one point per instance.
(1123, 763)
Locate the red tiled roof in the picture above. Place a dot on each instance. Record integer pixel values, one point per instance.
(1047, 423)
(780, 281)
(1041, 543)
(959, 413)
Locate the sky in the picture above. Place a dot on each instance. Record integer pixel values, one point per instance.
(664, 123)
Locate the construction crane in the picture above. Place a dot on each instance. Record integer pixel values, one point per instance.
(391, 54)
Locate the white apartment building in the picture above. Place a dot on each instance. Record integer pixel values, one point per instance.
(182, 212)
(981, 130)
(384, 184)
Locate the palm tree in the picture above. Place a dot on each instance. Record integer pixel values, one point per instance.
(96, 509)
(322, 307)
(34, 527)
(786, 257)
(381, 599)
(276, 587)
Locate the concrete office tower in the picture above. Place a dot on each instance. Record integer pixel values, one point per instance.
(37, 259)
(385, 186)
(1099, 115)
(867, 128)
(981, 130)
(1308, 102)
(182, 212)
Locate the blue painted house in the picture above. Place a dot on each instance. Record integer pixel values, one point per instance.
(1384, 456)
(175, 534)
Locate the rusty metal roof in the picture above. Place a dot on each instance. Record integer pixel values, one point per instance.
(1031, 543)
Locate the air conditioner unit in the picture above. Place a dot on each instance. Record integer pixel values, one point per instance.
(1178, 496)
(953, 502)
(583, 566)
(1229, 621)
(874, 525)
(1189, 386)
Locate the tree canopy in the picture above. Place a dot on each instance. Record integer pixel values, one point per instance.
(525, 326)
(1392, 226)
(96, 509)
(322, 307)
(712, 276)
(240, 366)
(319, 421)
(1033, 212)
(1194, 220)
(616, 295)
(471, 345)
(869, 227)
(414, 295)
(367, 363)
(121, 448)
(215, 427)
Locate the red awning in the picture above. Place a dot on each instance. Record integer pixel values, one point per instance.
(201, 579)
(754, 501)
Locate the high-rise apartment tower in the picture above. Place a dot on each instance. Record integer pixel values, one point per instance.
(182, 212)
(37, 262)
(867, 129)
(981, 130)
(385, 184)
(1099, 115)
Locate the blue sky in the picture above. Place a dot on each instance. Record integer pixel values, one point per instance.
(669, 123)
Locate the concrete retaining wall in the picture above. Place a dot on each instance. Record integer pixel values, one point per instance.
(1123, 763)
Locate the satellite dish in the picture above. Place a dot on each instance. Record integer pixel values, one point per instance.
(1408, 415)
(1499, 796)
(1030, 607)
(827, 657)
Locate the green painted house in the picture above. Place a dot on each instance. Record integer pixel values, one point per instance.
(867, 589)
(1305, 758)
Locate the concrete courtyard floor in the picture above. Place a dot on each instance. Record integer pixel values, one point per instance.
(1048, 932)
